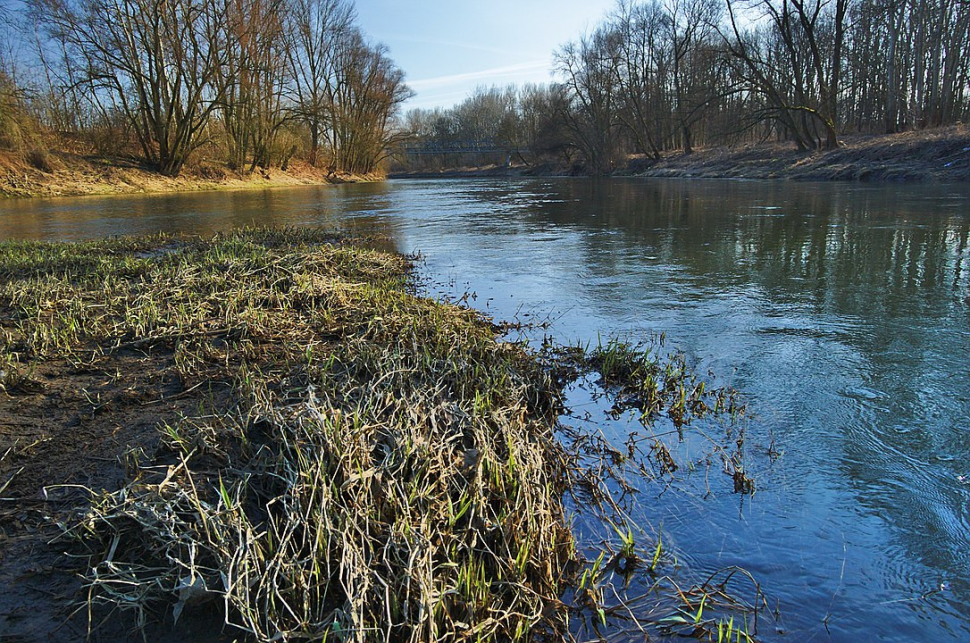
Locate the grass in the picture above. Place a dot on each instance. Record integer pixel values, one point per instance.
(644, 378)
(385, 468)
(388, 468)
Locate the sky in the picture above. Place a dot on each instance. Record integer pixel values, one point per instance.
(447, 49)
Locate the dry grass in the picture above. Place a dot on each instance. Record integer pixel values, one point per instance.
(389, 470)
(931, 155)
(55, 171)
(17, 126)
(386, 469)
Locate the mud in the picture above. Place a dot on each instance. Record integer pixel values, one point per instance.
(66, 433)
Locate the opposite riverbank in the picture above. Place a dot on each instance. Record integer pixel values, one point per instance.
(938, 155)
(53, 173)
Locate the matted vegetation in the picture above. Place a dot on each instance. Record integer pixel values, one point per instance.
(383, 469)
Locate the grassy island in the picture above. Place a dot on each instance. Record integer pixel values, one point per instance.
(269, 427)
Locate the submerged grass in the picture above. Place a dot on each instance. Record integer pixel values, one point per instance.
(385, 470)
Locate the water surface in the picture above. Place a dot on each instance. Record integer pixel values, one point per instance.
(841, 313)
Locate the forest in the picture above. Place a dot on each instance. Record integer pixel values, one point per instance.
(249, 82)
(661, 75)
(258, 83)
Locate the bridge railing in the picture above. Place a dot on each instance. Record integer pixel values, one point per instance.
(458, 147)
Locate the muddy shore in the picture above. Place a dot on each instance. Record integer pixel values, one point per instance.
(162, 397)
(941, 155)
(266, 435)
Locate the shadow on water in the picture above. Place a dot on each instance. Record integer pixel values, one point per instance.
(841, 313)
(203, 213)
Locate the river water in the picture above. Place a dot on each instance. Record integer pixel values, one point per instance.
(840, 312)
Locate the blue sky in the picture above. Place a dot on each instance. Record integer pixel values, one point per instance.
(447, 49)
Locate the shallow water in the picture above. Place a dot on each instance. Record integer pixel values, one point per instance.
(840, 312)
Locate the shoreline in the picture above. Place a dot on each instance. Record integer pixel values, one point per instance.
(188, 417)
(237, 387)
(63, 174)
(930, 156)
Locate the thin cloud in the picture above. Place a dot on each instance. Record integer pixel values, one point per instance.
(445, 43)
(436, 102)
(509, 70)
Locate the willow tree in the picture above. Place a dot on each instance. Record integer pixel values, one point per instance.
(362, 103)
(154, 61)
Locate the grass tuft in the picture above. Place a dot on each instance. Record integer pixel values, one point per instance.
(387, 469)
(384, 469)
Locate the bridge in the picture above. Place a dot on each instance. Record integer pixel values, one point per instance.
(459, 147)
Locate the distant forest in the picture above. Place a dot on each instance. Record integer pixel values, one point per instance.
(249, 82)
(662, 75)
(257, 83)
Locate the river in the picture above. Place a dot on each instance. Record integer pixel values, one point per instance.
(841, 312)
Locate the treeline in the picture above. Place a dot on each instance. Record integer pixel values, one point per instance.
(249, 82)
(661, 75)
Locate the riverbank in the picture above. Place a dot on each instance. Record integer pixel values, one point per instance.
(52, 173)
(938, 155)
(266, 429)
(198, 415)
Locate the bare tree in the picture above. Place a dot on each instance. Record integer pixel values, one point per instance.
(166, 76)
(314, 32)
(589, 69)
(795, 62)
(692, 29)
(154, 60)
(366, 96)
(643, 73)
(251, 83)
(542, 130)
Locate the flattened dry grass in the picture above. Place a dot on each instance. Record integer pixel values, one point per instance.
(384, 468)
(387, 470)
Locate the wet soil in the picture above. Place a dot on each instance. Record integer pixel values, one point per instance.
(65, 435)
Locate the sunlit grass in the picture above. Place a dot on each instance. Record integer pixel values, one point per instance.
(386, 469)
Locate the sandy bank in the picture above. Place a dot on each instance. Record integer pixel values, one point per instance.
(43, 174)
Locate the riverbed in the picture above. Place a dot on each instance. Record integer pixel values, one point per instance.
(840, 312)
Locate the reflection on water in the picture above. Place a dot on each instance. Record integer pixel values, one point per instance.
(842, 313)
